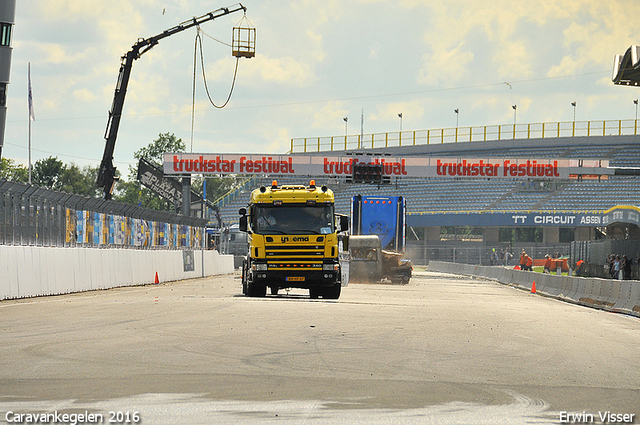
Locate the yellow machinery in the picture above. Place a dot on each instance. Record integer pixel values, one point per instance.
(293, 241)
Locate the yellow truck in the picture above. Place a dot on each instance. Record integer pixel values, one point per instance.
(293, 241)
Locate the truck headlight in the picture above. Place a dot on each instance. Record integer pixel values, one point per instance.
(331, 267)
(260, 267)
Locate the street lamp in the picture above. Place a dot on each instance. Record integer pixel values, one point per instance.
(346, 131)
(515, 110)
(457, 111)
(400, 116)
(635, 102)
(574, 111)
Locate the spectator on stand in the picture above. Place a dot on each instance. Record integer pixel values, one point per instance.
(616, 267)
(494, 257)
(610, 260)
(507, 257)
(626, 267)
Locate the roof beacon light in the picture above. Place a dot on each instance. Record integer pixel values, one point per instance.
(312, 184)
(274, 184)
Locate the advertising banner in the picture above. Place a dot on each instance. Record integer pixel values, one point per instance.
(70, 227)
(80, 226)
(409, 166)
(167, 187)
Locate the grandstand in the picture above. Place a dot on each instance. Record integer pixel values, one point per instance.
(437, 202)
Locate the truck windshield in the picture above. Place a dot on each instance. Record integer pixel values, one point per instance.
(293, 219)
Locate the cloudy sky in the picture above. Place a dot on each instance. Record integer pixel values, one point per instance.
(317, 61)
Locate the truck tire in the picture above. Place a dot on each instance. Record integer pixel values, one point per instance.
(332, 292)
(254, 290)
(244, 277)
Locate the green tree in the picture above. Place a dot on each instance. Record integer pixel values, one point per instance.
(80, 181)
(11, 171)
(48, 172)
(155, 150)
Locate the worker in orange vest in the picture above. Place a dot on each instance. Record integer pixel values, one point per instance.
(528, 262)
(522, 260)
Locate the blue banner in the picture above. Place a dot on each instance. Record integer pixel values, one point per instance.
(620, 214)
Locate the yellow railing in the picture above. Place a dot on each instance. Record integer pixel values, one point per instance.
(466, 134)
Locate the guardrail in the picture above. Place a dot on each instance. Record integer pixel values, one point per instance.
(466, 134)
(619, 296)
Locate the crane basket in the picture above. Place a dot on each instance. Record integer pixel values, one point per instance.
(244, 39)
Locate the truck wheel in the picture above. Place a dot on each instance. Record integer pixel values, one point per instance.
(332, 293)
(254, 290)
(244, 278)
(274, 290)
(314, 293)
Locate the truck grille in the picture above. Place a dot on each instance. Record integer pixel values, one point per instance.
(295, 257)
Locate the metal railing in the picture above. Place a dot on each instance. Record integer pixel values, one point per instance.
(466, 134)
(35, 216)
(234, 193)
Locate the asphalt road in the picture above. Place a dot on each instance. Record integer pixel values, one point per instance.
(442, 349)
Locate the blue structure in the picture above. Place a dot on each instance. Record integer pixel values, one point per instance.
(383, 216)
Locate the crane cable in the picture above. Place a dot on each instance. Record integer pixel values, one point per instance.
(198, 43)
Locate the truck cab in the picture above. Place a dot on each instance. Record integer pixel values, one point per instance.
(293, 241)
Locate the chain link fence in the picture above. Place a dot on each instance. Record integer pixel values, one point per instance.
(480, 255)
(36, 216)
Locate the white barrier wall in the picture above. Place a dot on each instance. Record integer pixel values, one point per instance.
(27, 271)
(621, 296)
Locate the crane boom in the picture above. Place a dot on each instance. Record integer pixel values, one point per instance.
(107, 171)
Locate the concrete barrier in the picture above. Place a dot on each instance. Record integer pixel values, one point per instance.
(27, 271)
(622, 296)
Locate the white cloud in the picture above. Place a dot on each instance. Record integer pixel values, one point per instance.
(84, 95)
(444, 66)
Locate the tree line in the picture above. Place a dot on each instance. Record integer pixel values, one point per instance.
(54, 174)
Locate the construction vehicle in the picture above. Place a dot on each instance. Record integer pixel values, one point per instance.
(369, 263)
(293, 241)
(378, 242)
(107, 171)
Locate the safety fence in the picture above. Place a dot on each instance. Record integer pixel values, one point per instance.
(480, 255)
(466, 134)
(35, 216)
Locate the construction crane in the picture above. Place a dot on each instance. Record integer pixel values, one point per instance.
(107, 172)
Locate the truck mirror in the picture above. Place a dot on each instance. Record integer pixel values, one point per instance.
(344, 223)
(242, 225)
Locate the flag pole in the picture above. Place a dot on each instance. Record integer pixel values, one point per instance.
(31, 118)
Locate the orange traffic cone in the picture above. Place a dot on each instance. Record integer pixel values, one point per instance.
(157, 280)
(533, 287)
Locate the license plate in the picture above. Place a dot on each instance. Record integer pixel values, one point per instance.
(295, 278)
